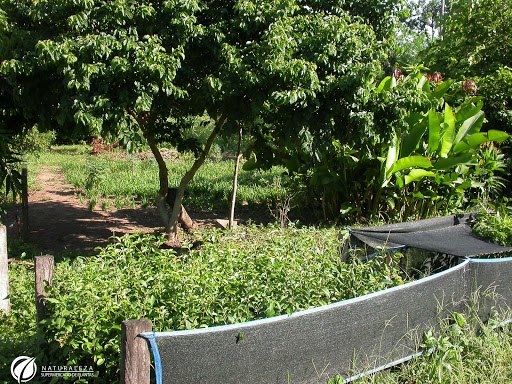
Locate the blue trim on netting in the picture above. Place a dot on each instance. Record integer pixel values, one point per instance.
(494, 260)
(219, 328)
(150, 336)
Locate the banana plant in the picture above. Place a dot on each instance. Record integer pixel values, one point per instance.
(435, 156)
(453, 138)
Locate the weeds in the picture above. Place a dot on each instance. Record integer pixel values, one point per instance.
(251, 273)
(464, 350)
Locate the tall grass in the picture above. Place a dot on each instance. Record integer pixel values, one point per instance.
(465, 351)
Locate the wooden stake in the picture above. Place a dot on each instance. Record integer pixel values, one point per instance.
(235, 180)
(5, 302)
(24, 202)
(135, 360)
(44, 272)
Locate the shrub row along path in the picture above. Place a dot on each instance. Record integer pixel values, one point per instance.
(59, 220)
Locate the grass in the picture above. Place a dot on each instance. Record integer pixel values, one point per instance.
(126, 179)
(467, 351)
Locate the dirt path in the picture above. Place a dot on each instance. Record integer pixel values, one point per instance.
(59, 220)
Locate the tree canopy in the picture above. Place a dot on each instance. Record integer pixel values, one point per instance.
(299, 76)
(476, 44)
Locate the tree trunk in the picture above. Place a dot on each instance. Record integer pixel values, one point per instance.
(176, 211)
(184, 219)
(164, 181)
(235, 180)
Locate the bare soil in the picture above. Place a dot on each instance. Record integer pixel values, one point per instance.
(59, 220)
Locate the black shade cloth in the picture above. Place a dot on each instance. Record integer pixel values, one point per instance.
(348, 338)
(450, 235)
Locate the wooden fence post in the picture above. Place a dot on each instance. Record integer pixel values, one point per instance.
(44, 272)
(5, 302)
(24, 202)
(135, 360)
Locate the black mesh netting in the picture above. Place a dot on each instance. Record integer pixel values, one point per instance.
(350, 337)
(450, 235)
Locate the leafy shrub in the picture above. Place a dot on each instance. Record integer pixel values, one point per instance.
(250, 274)
(418, 153)
(34, 142)
(497, 227)
(17, 329)
(441, 160)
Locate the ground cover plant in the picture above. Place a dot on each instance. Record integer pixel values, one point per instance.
(18, 329)
(252, 273)
(249, 274)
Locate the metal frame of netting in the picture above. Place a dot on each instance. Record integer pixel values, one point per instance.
(350, 338)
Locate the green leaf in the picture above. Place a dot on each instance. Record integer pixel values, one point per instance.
(59, 323)
(497, 136)
(441, 89)
(434, 131)
(412, 162)
(52, 300)
(412, 140)
(386, 84)
(452, 161)
(143, 103)
(448, 134)
(417, 174)
(423, 83)
(392, 155)
(251, 164)
(390, 161)
(461, 147)
(468, 108)
(477, 139)
(400, 181)
(347, 207)
(470, 126)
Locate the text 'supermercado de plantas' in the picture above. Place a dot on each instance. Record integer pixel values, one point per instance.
(423, 152)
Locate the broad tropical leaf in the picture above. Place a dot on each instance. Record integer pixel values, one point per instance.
(452, 161)
(434, 131)
(413, 139)
(418, 174)
(470, 126)
(412, 162)
(448, 134)
(441, 89)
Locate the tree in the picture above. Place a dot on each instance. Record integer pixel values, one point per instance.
(279, 68)
(476, 44)
(100, 67)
